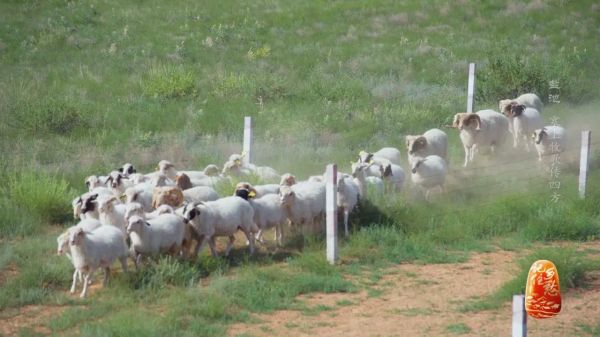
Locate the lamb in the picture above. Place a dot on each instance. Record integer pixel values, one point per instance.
(170, 195)
(348, 195)
(304, 203)
(550, 139)
(433, 141)
(112, 212)
(94, 181)
(428, 173)
(529, 100)
(525, 121)
(135, 208)
(393, 177)
(222, 217)
(200, 194)
(481, 129)
(268, 213)
(163, 234)
(359, 173)
(96, 249)
(141, 193)
(383, 156)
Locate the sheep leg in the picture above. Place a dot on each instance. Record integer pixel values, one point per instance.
(137, 260)
(87, 279)
(106, 273)
(259, 236)
(230, 243)
(213, 248)
(346, 222)
(74, 284)
(467, 156)
(278, 234)
(200, 245)
(123, 260)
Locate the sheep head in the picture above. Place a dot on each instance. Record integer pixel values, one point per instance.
(133, 208)
(286, 195)
(136, 224)
(106, 205)
(364, 157)
(416, 165)
(244, 190)
(287, 179)
(183, 181)
(191, 211)
(504, 106)
(516, 109)
(114, 179)
(539, 134)
(463, 119)
(415, 143)
(88, 203)
(386, 171)
(211, 170)
(76, 237)
(127, 169)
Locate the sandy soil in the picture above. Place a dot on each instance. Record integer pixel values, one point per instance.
(424, 300)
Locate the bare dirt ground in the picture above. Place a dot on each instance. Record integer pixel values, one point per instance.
(424, 300)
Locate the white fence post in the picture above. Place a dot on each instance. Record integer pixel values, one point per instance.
(586, 136)
(247, 147)
(331, 210)
(471, 87)
(519, 318)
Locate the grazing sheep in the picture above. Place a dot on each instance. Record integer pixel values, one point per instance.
(384, 155)
(135, 208)
(163, 234)
(359, 173)
(141, 193)
(200, 194)
(96, 249)
(525, 121)
(481, 129)
(393, 177)
(433, 141)
(222, 217)
(551, 139)
(529, 100)
(169, 195)
(94, 181)
(304, 203)
(268, 213)
(429, 172)
(287, 179)
(348, 195)
(112, 212)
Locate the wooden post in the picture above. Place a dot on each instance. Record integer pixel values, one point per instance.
(586, 136)
(247, 147)
(331, 211)
(471, 87)
(519, 318)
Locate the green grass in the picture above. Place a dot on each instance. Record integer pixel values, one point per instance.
(86, 86)
(458, 329)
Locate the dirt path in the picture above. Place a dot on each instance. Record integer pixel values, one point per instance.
(424, 300)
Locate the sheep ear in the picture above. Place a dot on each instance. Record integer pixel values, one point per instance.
(147, 223)
(120, 169)
(94, 196)
(87, 183)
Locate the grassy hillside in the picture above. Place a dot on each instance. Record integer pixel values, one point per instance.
(88, 85)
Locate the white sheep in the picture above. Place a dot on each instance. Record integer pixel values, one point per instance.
(118, 183)
(551, 139)
(62, 240)
(348, 195)
(135, 208)
(112, 212)
(94, 181)
(525, 121)
(200, 194)
(222, 217)
(384, 155)
(141, 193)
(393, 177)
(429, 172)
(363, 181)
(529, 100)
(257, 191)
(304, 203)
(163, 234)
(485, 128)
(85, 207)
(96, 249)
(268, 213)
(433, 141)
(127, 170)
(287, 179)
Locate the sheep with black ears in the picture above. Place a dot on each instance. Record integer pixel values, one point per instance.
(135, 208)
(525, 121)
(382, 156)
(268, 213)
(165, 233)
(112, 212)
(362, 180)
(529, 100)
(551, 139)
(222, 217)
(96, 249)
(304, 203)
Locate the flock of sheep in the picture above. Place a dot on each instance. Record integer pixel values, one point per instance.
(129, 214)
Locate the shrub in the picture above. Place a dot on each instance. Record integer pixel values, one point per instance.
(40, 195)
(168, 81)
(39, 116)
